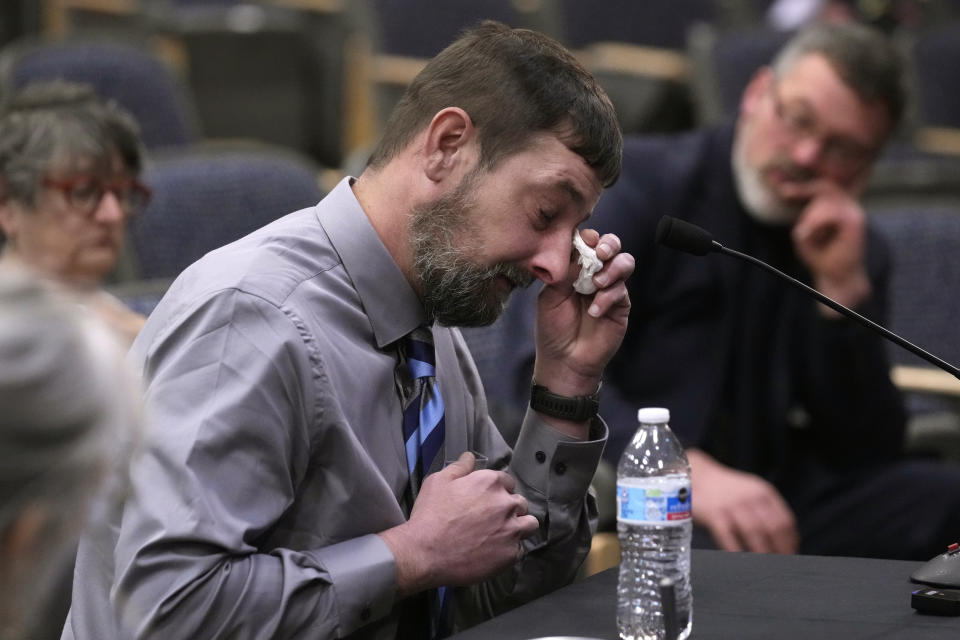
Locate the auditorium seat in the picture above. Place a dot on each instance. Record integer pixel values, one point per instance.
(722, 64)
(923, 308)
(406, 33)
(905, 176)
(421, 28)
(934, 57)
(637, 53)
(133, 76)
(205, 197)
(653, 24)
(266, 72)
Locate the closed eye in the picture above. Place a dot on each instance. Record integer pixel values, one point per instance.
(545, 217)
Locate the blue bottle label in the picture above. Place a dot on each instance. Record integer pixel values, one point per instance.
(653, 501)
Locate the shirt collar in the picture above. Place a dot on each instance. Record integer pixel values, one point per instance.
(391, 304)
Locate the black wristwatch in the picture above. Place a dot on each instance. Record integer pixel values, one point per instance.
(575, 408)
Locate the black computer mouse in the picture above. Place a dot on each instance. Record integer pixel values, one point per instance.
(941, 571)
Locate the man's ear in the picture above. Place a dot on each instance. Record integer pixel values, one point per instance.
(756, 90)
(450, 141)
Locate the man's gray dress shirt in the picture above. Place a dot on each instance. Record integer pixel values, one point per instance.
(277, 453)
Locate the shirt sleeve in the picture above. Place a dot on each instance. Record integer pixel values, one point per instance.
(553, 472)
(231, 396)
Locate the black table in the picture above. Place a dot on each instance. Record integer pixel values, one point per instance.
(747, 595)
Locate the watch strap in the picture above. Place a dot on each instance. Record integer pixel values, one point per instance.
(574, 408)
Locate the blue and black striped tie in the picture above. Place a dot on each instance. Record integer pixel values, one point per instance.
(423, 428)
(429, 614)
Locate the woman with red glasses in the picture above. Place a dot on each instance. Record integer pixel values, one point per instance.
(69, 164)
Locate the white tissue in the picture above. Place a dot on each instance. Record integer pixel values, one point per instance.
(589, 265)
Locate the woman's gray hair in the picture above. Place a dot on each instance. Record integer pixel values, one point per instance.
(864, 58)
(69, 419)
(57, 124)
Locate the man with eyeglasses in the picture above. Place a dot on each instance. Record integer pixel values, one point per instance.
(69, 165)
(793, 428)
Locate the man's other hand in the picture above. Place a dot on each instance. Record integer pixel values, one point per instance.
(465, 527)
(742, 511)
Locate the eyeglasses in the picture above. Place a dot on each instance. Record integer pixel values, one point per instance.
(838, 152)
(84, 193)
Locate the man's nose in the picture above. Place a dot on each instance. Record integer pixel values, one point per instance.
(807, 151)
(551, 263)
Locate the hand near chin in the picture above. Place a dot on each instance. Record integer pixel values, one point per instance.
(577, 334)
(829, 238)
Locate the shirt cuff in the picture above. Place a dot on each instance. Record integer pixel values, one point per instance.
(554, 464)
(364, 577)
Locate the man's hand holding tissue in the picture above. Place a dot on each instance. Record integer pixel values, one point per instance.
(577, 334)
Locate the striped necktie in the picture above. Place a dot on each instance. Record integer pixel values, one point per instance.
(428, 614)
(423, 427)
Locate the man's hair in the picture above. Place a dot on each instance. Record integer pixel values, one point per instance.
(58, 124)
(512, 83)
(863, 57)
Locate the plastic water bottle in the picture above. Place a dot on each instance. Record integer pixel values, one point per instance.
(654, 527)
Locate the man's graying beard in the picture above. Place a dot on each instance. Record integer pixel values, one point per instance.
(457, 292)
(758, 198)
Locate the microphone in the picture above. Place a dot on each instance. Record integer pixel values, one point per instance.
(683, 236)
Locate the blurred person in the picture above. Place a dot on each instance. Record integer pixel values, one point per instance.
(66, 402)
(790, 15)
(792, 425)
(795, 430)
(887, 15)
(69, 167)
(308, 382)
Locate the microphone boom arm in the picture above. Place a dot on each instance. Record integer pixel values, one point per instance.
(839, 308)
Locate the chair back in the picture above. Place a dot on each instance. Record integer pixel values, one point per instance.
(204, 198)
(722, 64)
(652, 24)
(935, 57)
(422, 28)
(271, 73)
(132, 76)
(407, 33)
(922, 300)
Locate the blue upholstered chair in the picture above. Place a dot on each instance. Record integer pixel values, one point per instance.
(421, 28)
(652, 24)
(923, 308)
(925, 243)
(134, 77)
(406, 33)
(933, 57)
(936, 62)
(722, 64)
(204, 198)
(637, 52)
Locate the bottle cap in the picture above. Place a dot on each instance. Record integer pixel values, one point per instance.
(653, 415)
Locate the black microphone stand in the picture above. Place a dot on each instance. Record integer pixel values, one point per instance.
(839, 308)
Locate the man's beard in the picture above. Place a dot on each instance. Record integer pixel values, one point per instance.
(457, 292)
(759, 198)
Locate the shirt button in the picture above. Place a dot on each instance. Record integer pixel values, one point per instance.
(560, 468)
(540, 456)
(365, 614)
